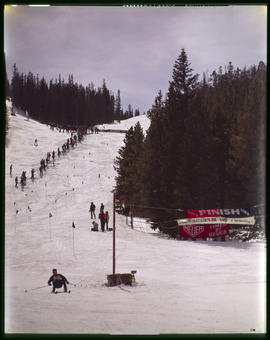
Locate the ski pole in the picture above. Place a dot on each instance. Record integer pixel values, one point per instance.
(36, 288)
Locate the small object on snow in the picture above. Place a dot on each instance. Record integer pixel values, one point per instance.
(72, 189)
(73, 225)
(50, 214)
(66, 193)
(17, 211)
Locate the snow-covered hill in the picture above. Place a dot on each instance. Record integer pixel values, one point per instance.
(183, 286)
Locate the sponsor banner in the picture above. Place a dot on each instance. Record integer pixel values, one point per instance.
(213, 220)
(240, 212)
(204, 231)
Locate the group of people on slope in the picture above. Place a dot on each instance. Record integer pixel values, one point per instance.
(103, 217)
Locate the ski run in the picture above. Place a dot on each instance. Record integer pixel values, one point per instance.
(182, 286)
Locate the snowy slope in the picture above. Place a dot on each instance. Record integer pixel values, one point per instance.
(126, 124)
(183, 286)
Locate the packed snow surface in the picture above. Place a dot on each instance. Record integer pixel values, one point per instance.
(182, 286)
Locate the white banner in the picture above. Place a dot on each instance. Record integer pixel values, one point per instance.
(213, 220)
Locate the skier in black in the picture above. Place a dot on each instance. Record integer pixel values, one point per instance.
(16, 181)
(92, 210)
(58, 281)
(102, 207)
(10, 170)
(32, 174)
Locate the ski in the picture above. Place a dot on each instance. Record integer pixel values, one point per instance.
(69, 291)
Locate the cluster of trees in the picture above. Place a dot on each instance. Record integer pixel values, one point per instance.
(205, 147)
(65, 103)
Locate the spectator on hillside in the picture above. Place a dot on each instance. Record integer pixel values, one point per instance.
(92, 210)
(107, 217)
(101, 217)
(95, 226)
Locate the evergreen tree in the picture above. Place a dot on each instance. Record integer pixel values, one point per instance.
(137, 113)
(125, 165)
(117, 114)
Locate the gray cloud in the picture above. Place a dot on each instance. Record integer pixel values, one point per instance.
(134, 49)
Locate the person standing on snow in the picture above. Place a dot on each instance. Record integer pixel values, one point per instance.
(58, 280)
(107, 217)
(92, 210)
(101, 217)
(32, 174)
(40, 171)
(102, 207)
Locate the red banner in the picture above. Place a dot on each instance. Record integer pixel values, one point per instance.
(203, 231)
(192, 213)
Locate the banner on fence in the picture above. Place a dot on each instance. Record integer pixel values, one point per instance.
(213, 220)
(212, 223)
(240, 212)
(204, 231)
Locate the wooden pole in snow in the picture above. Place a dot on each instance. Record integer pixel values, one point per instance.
(113, 233)
(73, 227)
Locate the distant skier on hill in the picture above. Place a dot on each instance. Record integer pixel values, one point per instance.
(58, 281)
(32, 174)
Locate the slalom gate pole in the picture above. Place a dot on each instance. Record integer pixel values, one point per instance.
(73, 241)
(114, 233)
(50, 228)
(15, 222)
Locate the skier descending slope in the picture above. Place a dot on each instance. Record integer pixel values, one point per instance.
(58, 281)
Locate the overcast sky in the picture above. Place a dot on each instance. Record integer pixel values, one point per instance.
(133, 49)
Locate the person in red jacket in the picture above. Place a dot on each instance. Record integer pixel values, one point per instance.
(101, 216)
